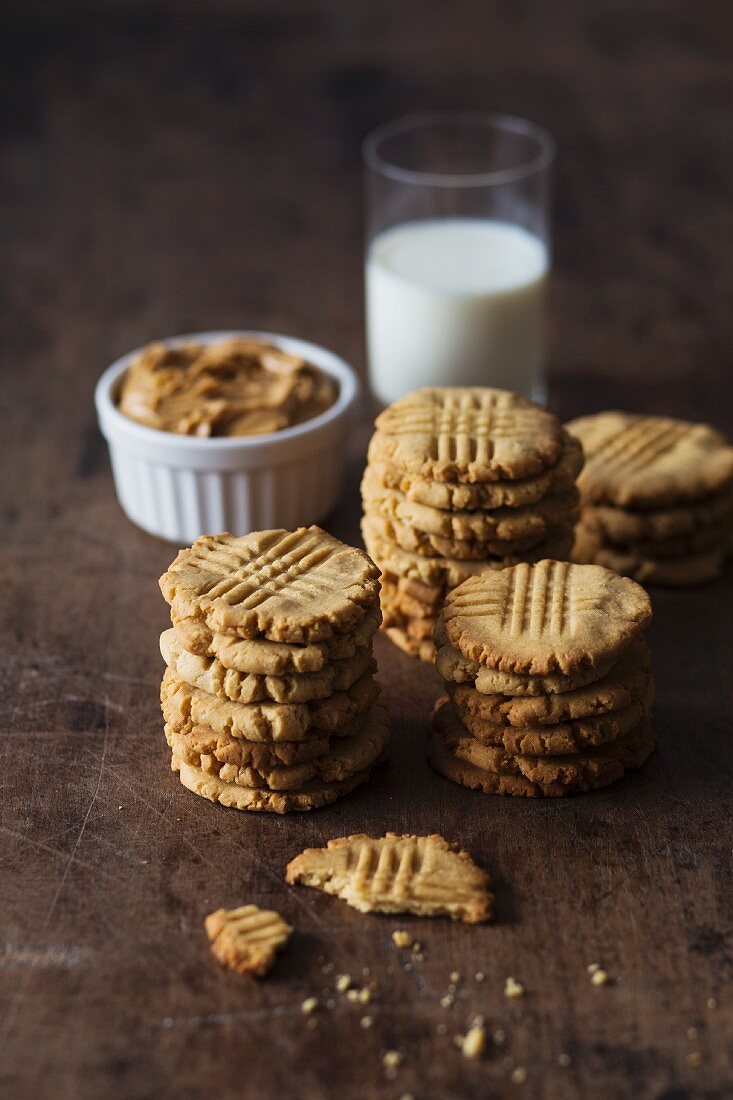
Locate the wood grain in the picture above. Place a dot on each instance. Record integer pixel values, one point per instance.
(172, 167)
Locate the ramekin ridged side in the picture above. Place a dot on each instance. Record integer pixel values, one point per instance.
(179, 487)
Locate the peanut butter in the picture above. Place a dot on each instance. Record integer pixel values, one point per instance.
(232, 388)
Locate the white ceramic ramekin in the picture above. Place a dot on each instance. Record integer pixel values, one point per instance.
(179, 487)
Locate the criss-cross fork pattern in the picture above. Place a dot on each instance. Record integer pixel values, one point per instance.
(250, 925)
(465, 426)
(637, 446)
(533, 601)
(402, 868)
(246, 577)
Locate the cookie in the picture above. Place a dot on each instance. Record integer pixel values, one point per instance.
(422, 875)
(393, 600)
(311, 796)
(649, 461)
(420, 629)
(201, 747)
(671, 573)
(548, 617)
(466, 434)
(481, 765)
(505, 524)
(261, 657)
(428, 594)
(452, 665)
(264, 721)
(488, 495)
(418, 542)
(290, 586)
(209, 675)
(448, 572)
(570, 736)
(626, 682)
(424, 649)
(345, 756)
(247, 939)
(624, 527)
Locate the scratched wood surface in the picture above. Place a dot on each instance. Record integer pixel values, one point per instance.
(168, 168)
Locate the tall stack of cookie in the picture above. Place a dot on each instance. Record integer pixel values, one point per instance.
(269, 696)
(548, 678)
(461, 480)
(657, 498)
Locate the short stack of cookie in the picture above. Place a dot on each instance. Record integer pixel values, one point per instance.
(657, 498)
(269, 696)
(461, 480)
(549, 680)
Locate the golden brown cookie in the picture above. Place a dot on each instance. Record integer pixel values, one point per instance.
(452, 665)
(311, 796)
(415, 647)
(572, 735)
(264, 721)
(395, 601)
(447, 571)
(345, 756)
(625, 526)
(209, 675)
(470, 526)
(247, 939)
(418, 542)
(650, 461)
(261, 657)
(201, 747)
(424, 875)
(671, 573)
(479, 766)
(290, 586)
(548, 617)
(457, 496)
(466, 434)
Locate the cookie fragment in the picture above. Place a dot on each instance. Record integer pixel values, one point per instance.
(247, 939)
(423, 875)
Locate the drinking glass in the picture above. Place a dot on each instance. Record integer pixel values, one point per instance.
(458, 252)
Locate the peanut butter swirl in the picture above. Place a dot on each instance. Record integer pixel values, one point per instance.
(234, 387)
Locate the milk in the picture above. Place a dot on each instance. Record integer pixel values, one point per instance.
(455, 301)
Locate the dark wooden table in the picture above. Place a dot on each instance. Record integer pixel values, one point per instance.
(168, 168)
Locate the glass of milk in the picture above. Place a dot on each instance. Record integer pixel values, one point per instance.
(458, 253)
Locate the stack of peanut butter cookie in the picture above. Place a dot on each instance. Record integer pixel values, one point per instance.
(548, 678)
(461, 480)
(269, 696)
(657, 498)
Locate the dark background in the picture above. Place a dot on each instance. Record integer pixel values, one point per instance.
(168, 167)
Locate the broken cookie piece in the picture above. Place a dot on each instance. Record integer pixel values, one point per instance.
(423, 875)
(247, 939)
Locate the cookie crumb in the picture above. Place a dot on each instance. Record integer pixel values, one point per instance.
(564, 1060)
(694, 1058)
(401, 938)
(479, 975)
(343, 982)
(513, 988)
(366, 1022)
(712, 1003)
(392, 1060)
(407, 1096)
(519, 1075)
(310, 1004)
(499, 1037)
(455, 976)
(600, 977)
(592, 967)
(311, 1023)
(473, 1043)
(416, 948)
(447, 1000)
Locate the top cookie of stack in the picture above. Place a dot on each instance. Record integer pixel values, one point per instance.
(657, 497)
(461, 480)
(269, 696)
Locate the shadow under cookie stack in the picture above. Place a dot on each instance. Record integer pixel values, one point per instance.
(269, 697)
(657, 498)
(461, 480)
(548, 678)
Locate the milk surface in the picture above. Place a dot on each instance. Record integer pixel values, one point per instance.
(455, 301)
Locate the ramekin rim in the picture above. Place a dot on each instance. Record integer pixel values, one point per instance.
(324, 358)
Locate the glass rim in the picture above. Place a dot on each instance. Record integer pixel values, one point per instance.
(486, 119)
